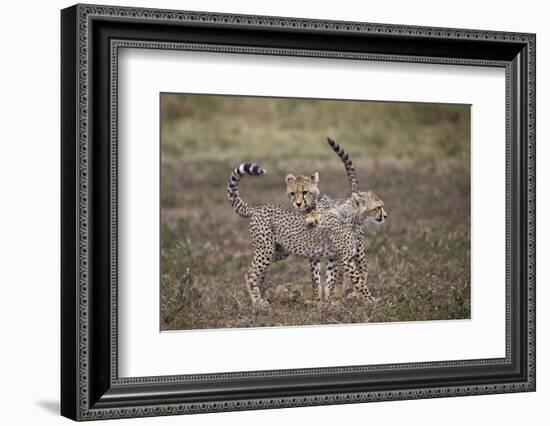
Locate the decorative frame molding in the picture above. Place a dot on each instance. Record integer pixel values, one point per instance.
(91, 37)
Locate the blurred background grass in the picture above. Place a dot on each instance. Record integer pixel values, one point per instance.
(416, 157)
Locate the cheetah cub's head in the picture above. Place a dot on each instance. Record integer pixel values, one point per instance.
(302, 191)
(369, 206)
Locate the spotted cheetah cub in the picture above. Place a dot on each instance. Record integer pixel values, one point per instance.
(337, 217)
(362, 208)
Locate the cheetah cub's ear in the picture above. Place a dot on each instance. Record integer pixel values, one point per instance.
(315, 177)
(290, 178)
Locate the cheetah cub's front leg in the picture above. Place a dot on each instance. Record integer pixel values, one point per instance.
(254, 291)
(315, 266)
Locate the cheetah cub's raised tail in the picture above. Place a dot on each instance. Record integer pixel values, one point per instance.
(350, 168)
(241, 207)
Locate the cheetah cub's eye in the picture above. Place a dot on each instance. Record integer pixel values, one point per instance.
(292, 194)
(305, 193)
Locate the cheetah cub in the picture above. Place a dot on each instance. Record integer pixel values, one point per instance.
(338, 218)
(359, 210)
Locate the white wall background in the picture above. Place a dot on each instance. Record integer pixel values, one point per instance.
(29, 211)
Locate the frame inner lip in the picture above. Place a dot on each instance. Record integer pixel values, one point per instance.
(115, 45)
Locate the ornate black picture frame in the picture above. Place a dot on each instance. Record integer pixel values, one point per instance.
(90, 385)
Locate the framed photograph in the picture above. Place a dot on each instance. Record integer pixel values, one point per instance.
(263, 212)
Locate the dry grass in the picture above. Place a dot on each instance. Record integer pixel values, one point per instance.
(415, 157)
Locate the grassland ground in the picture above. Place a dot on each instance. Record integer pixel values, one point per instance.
(416, 158)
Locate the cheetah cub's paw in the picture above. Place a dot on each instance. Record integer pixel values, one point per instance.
(312, 219)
